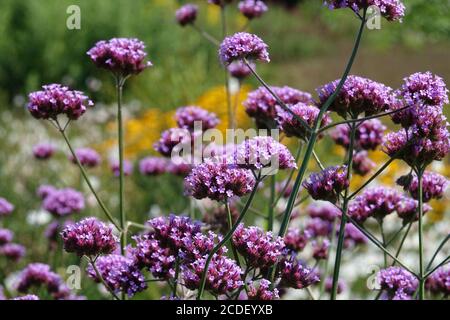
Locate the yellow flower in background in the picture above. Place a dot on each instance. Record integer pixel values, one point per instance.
(215, 100)
(439, 210)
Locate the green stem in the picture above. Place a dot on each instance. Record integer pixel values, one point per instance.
(437, 251)
(421, 258)
(88, 182)
(230, 225)
(227, 237)
(314, 135)
(206, 35)
(340, 245)
(383, 237)
(119, 86)
(400, 247)
(270, 214)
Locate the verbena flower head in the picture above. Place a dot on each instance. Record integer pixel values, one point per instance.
(252, 8)
(6, 208)
(392, 10)
(119, 274)
(376, 202)
(121, 56)
(218, 181)
(54, 100)
(352, 236)
(329, 285)
(433, 185)
(88, 157)
(294, 274)
(357, 96)
(262, 152)
(150, 254)
(89, 237)
(327, 184)
(6, 236)
(417, 151)
(243, 45)
(187, 14)
(239, 69)
(64, 202)
(323, 210)
(398, 283)
(171, 138)
(262, 292)
(223, 275)
(425, 89)
(43, 151)
(12, 251)
(261, 104)
(187, 116)
(45, 190)
(321, 249)
(296, 239)
(127, 167)
(260, 249)
(172, 231)
(152, 166)
(362, 164)
(407, 209)
(317, 227)
(40, 275)
(439, 281)
(368, 136)
(292, 127)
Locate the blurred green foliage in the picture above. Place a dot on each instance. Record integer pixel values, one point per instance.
(37, 48)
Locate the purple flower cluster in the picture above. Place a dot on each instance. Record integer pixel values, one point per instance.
(172, 138)
(63, 202)
(187, 14)
(6, 236)
(45, 190)
(13, 251)
(294, 274)
(121, 56)
(323, 210)
(292, 127)
(262, 106)
(392, 10)
(55, 100)
(263, 292)
(119, 274)
(425, 136)
(368, 136)
(433, 185)
(243, 45)
(357, 96)
(352, 236)
(43, 151)
(239, 69)
(218, 181)
(40, 275)
(152, 166)
(186, 117)
(6, 208)
(223, 275)
(327, 184)
(88, 157)
(321, 249)
(89, 237)
(407, 209)
(252, 8)
(397, 283)
(439, 281)
(260, 249)
(376, 202)
(262, 152)
(127, 167)
(362, 164)
(296, 239)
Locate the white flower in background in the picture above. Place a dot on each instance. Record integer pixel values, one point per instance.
(38, 218)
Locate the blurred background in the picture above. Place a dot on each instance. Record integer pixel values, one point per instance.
(309, 46)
